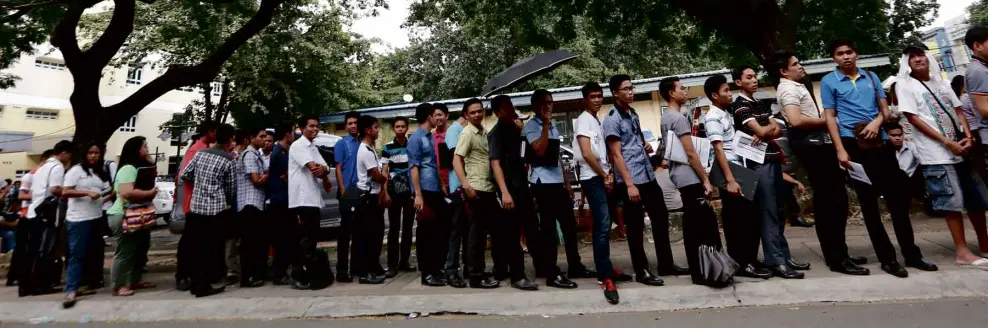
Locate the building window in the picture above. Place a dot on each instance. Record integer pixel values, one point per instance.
(134, 74)
(20, 174)
(217, 88)
(130, 125)
(34, 114)
(49, 64)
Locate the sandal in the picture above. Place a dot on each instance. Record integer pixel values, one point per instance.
(980, 264)
(87, 292)
(142, 285)
(123, 292)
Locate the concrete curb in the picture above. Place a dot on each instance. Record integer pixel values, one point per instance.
(878, 287)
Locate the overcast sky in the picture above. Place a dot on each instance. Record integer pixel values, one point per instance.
(387, 25)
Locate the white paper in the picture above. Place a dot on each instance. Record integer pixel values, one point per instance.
(857, 172)
(523, 149)
(675, 152)
(744, 147)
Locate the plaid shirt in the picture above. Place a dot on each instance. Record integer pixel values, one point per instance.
(212, 172)
(250, 162)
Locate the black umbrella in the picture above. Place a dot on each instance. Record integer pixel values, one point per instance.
(526, 69)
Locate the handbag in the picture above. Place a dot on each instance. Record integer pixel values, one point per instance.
(138, 217)
(398, 186)
(47, 210)
(814, 137)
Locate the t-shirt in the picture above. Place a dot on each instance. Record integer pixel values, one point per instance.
(682, 175)
(452, 138)
(505, 144)
(84, 208)
(744, 110)
(976, 82)
(366, 161)
(50, 174)
(587, 125)
(128, 174)
(914, 99)
(26, 185)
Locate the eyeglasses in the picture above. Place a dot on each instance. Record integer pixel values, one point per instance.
(627, 89)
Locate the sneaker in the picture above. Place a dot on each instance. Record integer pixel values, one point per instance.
(610, 291)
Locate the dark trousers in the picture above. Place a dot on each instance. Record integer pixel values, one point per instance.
(634, 215)
(829, 199)
(182, 254)
(527, 220)
(92, 268)
(285, 235)
(203, 234)
(601, 207)
(555, 206)
(35, 266)
(879, 164)
(699, 227)
(488, 219)
(458, 235)
(401, 216)
(308, 218)
(343, 251)
(433, 235)
(742, 227)
(368, 235)
(19, 254)
(253, 243)
(775, 247)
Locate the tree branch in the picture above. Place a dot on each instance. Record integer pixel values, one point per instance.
(9, 5)
(64, 35)
(116, 33)
(14, 16)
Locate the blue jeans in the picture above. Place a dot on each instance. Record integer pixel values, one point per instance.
(7, 241)
(599, 207)
(79, 235)
(773, 224)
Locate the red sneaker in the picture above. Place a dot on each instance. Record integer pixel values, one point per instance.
(610, 291)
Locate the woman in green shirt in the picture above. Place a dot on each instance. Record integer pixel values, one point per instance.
(132, 248)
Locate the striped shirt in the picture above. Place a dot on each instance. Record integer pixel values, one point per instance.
(396, 156)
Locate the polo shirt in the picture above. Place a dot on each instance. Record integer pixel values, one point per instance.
(452, 137)
(345, 153)
(792, 93)
(305, 190)
(422, 154)
(541, 173)
(852, 98)
(396, 156)
(626, 127)
(472, 146)
(505, 144)
(278, 186)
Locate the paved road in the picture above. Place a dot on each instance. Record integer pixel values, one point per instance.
(955, 313)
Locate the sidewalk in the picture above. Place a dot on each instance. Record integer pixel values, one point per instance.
(404, 294)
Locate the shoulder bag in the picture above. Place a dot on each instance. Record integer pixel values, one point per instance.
(957, 129)
(138, 216)
(47, 211)
(812, 137)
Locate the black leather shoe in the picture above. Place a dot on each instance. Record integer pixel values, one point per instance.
(524, 284)
(252, 283)
(895, 269)
(371, 279)
(673, 270)
(183, 284)
(582, 272)
(859, 260)
(800, 221)
(647, 278)
(208, 292)
(432, 281)
(785, 272)
(301, 285)
(282, 281)
(454, 280)
(751, 271)
(406, 267)
(560, 282)
(922, 264)
(484, 283)
(344, 276)
(849, 267)
(796, 265)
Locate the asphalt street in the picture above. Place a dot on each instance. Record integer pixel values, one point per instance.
(953, 313)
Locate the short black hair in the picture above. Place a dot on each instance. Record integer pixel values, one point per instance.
(8, 181)
(440, 106)
(666, 85)
(538, 95)
(282, 129)
(498, 102)
(591, 87)
(892, 125)
(207, 126)
(712, 85)
(974, 35)
(739, 71)
(269, 132)
(349, 115)
(655, 160)
(398, 119)
(47, 154)
(224, 132)
(304, 120)
(63, 146)
(957, 83)
(247, 133)
(616, 80)
(423, 111)
(365, 122)
(471, 102)
(780, 60)
(840, 42)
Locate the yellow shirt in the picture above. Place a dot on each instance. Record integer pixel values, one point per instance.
(472, 146)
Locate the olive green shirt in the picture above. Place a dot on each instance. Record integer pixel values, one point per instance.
(472, 146)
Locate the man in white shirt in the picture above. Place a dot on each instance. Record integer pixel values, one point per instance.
(47, 181)
(307, 172)
(373, 201)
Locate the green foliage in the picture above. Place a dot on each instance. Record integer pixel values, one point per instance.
(978, 13)
(23, 24)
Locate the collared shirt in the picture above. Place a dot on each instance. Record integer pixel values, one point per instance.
(452, 138)
(396, 156)
(744, 110)
(907, 159)
(472, 146)
(422, 154)
(853, 98)
(278, 173)
(504, 144)
(267, 160)
(52, 174)
(187, 186)
(720, 128)
(543, 174)
(212, 171)
(790, 92)
(250, 162)
(627, 128)
(305, 190)
(439, 140)
(345, 154)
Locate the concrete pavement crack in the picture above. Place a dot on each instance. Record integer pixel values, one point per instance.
(305, 313)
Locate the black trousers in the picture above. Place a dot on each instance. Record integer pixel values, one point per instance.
(344, 253)
(308, 218)
(879, 164)
(433, 235)
(527, 220)
(742, 227)
(634, 219)
(368, 236)
(401, 216)
(556, 206)
(830, 205)
(203, 234)
(699, 227)
(253, 243)
(488, 218)
(19, 253)
(284, 239)
(183, 261)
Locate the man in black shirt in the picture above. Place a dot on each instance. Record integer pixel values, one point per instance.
(505, 145)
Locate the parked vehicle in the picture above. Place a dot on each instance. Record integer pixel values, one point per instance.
(165, 200)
